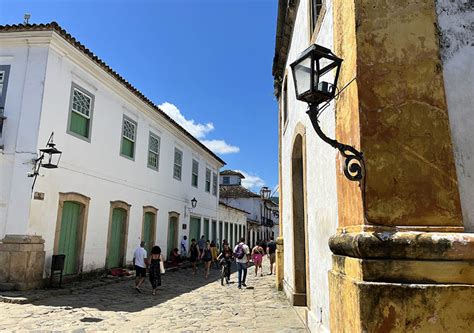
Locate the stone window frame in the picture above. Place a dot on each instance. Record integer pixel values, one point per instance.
(207, 181)
(195, 173)
(313, 32)
(75, 86)
(151, 136)
(153, 210)
(215, 183)
(123, 136)
(84, 201)
(178, 166)
(118, 204)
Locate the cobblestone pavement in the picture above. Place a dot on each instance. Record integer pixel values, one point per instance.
(183, 303)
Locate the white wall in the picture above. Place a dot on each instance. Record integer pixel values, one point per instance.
(455, 19)
(320, 184)
(22, 109)
(96, 169)
(233, 216)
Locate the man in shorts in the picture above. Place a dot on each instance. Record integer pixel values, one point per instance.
(271, 249)
(140, 263)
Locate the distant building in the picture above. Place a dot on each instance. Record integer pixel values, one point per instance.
(128, 172)
(262, 217)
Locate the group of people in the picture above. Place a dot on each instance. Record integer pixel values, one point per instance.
(207, 252)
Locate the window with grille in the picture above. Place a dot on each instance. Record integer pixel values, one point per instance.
(4, 73)
(129, 130)
(226, 180)
(153, 151)
(208, 180)
(178, 163)
(214, 183)
(80, 112)
(195, 174)
(316, 7)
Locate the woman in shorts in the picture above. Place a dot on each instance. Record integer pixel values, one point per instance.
(207, 258)
(257, 256)
(194, 254)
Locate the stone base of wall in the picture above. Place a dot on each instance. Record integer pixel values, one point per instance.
(358, 305)
(279, 264)
(21, 262)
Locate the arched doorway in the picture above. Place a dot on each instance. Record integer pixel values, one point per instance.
(299, 227)
(173, 223)
(118, 234)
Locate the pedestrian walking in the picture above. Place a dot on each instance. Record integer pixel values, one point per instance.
(242, 256)
(202, 243)
(206, 256)
(194, 254)
(140, 263)
(184, 247)
(257, 257)
(271, 249)
(155, 272)
(225, 258)
(214, 254)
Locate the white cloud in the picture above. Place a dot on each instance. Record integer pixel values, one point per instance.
(197, 130)
(251, 181)
(220, 146)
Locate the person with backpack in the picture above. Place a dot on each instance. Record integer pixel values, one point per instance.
(242, 257)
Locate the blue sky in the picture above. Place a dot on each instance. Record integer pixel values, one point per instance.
(207, 62)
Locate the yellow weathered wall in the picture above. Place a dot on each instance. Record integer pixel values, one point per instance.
(397, 112)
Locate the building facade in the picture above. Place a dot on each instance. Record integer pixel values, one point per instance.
(127, 172)
(262, 213)
(408, 68)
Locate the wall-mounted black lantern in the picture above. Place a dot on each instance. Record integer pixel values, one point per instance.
(265, 193)
(49, 158)
(315, 74)
(194, 203)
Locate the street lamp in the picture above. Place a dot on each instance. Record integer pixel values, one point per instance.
(194, 203)
(265, 193)
(314, 84)
(52, 156)
(188, 210)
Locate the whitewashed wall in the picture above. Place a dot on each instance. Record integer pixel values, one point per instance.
(96, 169)
(320, 179)
(233, 216)
(456, 24)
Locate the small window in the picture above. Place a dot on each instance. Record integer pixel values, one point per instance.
(316, 7)
(226, 180)
(129, 131)
(80, 112)
(195, 174)
(178, 164)
(214, 183)
(4, 73)
(153, 151)
(208, 180)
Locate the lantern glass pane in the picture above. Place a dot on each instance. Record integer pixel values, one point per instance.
(302, 73)
(324, 74)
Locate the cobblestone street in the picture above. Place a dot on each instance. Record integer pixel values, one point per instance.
(183, 303)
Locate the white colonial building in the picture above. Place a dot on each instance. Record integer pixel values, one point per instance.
(262, 214)
(128, 172)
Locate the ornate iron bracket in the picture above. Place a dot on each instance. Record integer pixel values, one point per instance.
(354, 166)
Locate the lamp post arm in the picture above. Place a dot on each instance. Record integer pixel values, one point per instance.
(354, 166)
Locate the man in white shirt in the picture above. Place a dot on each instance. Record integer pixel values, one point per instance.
(242, 257)
(140, 263)
(184, 247)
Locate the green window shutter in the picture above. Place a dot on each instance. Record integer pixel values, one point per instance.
(214, 231)
(79, 125)
(206, 229)
(127, 147)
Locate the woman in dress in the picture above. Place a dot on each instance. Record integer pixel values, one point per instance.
(194, 254)
(155, 273)
(257, 256)
(214, 254)
(207, 258)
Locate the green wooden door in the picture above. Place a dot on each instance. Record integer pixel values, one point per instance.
(226, 231)
(148, 230)
(69, 235)
(172, 232)
(231, 242)
(221, 231)
(117, 236)
(206, 229)
(194, 228)
(214, 231)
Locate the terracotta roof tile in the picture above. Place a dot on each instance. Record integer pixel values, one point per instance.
(236, 191)
(54, 26)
